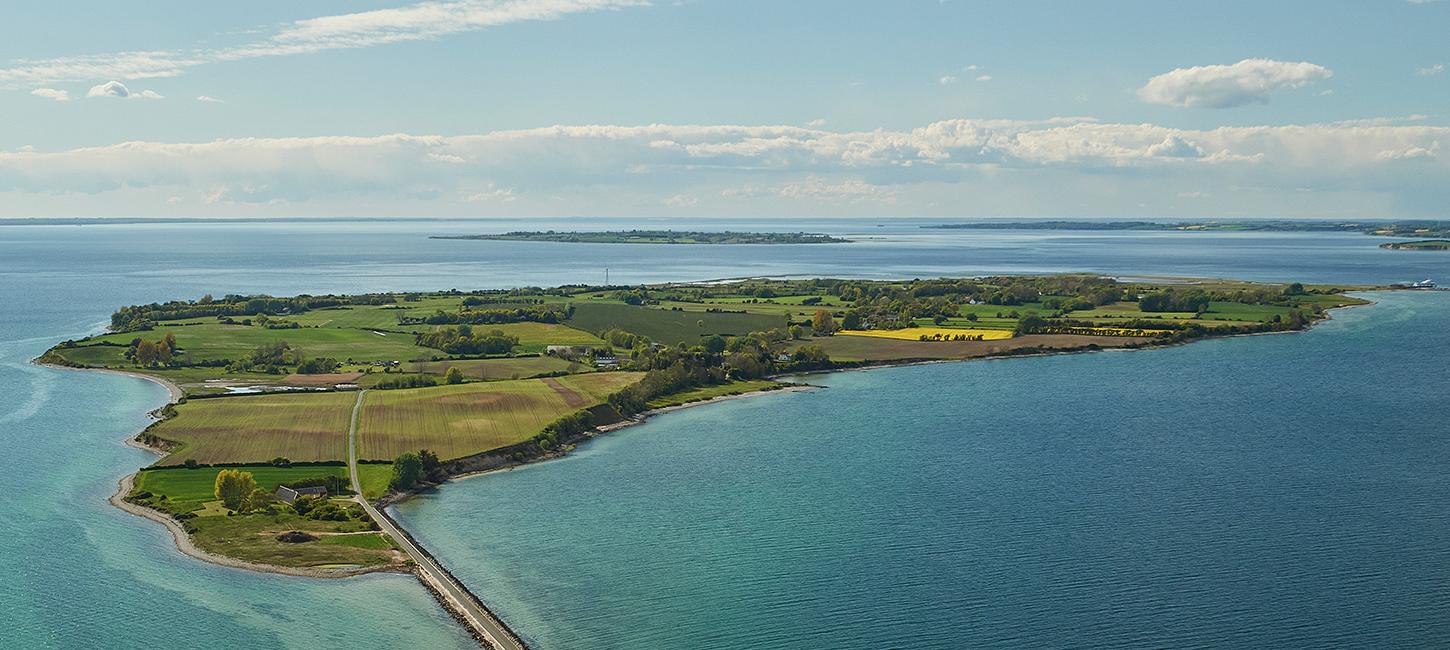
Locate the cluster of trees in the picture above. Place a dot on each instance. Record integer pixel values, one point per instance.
(474, 301)
(463, 340)
(149, 354)
(1192, 300)
(406, 381)
(143, 317)
(411, 470)
(272, 358)
(951, 337)
(528, 314)
(318, 366)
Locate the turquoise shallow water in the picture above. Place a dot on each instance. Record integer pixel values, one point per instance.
(1269, 491)
(662, 540)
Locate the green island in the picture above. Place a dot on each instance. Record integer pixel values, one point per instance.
(1378, 228)
(1425, 245)
(292, 418)
(658, 237)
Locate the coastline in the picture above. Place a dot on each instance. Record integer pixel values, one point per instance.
(179, 536)
(186, 547)
(643, 416)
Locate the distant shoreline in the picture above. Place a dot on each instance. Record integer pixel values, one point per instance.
(659, 237)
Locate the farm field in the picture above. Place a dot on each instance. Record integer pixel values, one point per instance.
(461, 420)
(871, 348)
(666, 326)
(214, 341)
(501, 368)
(534, 337)
(915, 333)
(189, 488)
(301, 427)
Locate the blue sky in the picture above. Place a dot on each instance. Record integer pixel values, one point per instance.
(713, 107)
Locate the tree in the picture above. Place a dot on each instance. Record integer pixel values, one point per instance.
(797, 332)
(407, 469)
(1295, 289)
(1030, 323)
(822, 323)
(971, 316)
(453, 376)
(715, 344)
(146, 354)
(234, 487)
(163, 354)
(169, 341)
(432, 467)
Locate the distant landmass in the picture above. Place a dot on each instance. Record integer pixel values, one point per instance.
(1425, 245)
(659, 237)
(1379, 228)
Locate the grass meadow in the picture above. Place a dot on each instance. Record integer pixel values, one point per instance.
(666, 326)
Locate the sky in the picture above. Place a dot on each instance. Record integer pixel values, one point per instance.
(1327, 109)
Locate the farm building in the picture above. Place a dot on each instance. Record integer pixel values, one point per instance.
(291, 495)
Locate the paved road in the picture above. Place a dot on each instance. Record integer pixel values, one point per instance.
(480, 618)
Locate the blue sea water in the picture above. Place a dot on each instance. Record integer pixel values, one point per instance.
(1268, 491)
(1259, 491)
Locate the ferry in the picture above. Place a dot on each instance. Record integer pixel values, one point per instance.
(1424, 284)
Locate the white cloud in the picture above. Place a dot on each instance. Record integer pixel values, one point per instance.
(1431, 70)
(969, 68)
(764, 164)
(816, 123)
(1412, 152)
(1194, 195)
(1225, 86)
(118, 90)
(985, 77)
(52, 94)
(1175, 146)
(815, 188)
(416, 22)
(946, 80)
(209, 99)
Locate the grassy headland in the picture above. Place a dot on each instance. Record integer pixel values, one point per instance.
(1426, 245)
(459, 382)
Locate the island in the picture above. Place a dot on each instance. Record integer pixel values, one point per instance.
(1425, 245)
(294, 420)
(658, 237)
(1380, 228)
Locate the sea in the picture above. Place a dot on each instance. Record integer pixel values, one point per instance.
(1267, 491)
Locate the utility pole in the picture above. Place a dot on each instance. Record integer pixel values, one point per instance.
(606, 276)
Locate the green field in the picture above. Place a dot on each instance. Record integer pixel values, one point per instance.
(217, 341)
(374, 478)
(665, 326)
(302, 427)
(188, 489)
(502, 368)
(534, 337)
(456, 421)
(254, 538)
(703, 393)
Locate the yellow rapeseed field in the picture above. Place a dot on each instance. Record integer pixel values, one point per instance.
(946, 333)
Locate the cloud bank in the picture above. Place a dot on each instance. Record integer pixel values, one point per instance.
(1225, 86)
(566, 169)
